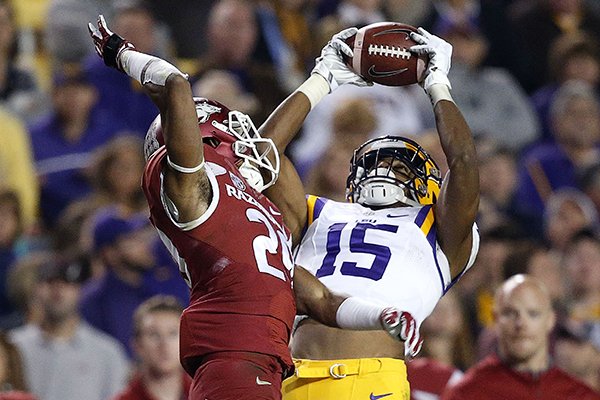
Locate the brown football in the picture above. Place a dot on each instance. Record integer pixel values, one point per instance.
(381, 55)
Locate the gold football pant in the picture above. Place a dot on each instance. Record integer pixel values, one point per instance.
(353, 379)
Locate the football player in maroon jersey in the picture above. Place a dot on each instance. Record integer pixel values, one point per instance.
(206, 166)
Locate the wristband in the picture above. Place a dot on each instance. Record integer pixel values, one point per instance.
(315, 88)
(439, 92)
(185, 170)
(146, 68)
(112, 48)
(357, 314)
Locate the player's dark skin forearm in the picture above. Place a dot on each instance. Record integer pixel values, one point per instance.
(314, 299)
(457, 206)
(288, 192)
(285, 121)
(191, 193)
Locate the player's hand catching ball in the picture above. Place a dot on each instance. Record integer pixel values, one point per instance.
(331, 66)
(440, 55)
(402, 326)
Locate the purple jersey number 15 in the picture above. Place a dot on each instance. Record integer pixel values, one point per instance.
(357, 244)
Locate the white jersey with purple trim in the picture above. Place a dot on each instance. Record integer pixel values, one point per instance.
(390, 256)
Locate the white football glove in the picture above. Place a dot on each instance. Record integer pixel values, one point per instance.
(440, 55)
(401, 325)
(332, 67)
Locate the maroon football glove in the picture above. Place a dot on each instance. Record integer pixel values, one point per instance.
(108, 44)
(402, 326)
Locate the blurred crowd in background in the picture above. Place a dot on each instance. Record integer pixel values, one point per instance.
(78, 257)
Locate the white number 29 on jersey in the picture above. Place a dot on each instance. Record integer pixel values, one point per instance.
(270, 243)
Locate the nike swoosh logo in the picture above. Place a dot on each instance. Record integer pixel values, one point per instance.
(374, 397)
(396, 216)
(261, 382)
(378, 74)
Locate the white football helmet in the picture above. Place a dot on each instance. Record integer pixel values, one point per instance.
(234, 136)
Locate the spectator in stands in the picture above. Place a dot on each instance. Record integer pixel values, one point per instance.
(538, 23)
(65, 358)
(411, 12)
(232, 35)
(64, 36)
(582, 266)
(544, 263)
(125, 246)
(285, 39)
(11, 229)
(12, 378)
(120, 96)
(490, 19)
(115, 174)
(225, 87)
(498, 185)
(590, 184)
(21, 286)
(63, 142)
(449, 340)
(575, 114)
(449, 350)
(577, 355)
(17, 169)
(159, 374)
(186, 21)
(19, 91)
(358, 13)
(572, 56)
(523, 368)
(490, 98)
(478, 286)
(568, 212)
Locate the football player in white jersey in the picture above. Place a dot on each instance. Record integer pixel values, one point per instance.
(404, 237)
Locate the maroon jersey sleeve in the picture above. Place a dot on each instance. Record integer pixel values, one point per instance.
(237, 261)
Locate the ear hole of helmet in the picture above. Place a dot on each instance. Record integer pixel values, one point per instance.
(211, 141)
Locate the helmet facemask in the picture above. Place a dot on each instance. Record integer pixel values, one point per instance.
(254, 152)
(374, 182)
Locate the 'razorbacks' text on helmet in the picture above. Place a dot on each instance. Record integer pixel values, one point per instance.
(233, 135)
(372, 181)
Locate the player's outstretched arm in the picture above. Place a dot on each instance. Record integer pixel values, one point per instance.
(285, 122)
(456, 209)
(185, 182)
(315, 300)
